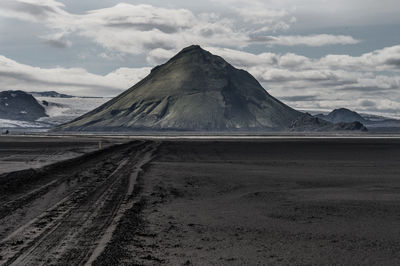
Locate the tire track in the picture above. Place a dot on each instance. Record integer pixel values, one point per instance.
(27, 207)
(81, 223)
(126, 205)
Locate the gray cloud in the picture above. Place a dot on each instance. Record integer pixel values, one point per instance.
(365, 89)
(261, 39)
(58, 43)
(308, 40)
(16, 75)
(39, 11)
(393, 61)
(367, 103)
(36, 10)
(144, 26)
(301, 98)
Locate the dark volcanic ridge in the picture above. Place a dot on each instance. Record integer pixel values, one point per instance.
(194, 91)
(51, 94)
(19, 105)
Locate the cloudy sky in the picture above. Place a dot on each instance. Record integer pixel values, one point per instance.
(311, 54)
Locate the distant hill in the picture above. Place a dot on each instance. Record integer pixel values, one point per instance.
(57, 110)
(342, 115)
(52, 94)
(374, 123)
(19, 105)
(193, 91)
(309, 123)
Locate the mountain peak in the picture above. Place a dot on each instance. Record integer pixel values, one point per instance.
(192, 61)
(342, 110)
(192, 51)
(188, 54)
(194, 91)
(194, 47)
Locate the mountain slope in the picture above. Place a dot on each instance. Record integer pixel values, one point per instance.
(18, 105)
(194, 91)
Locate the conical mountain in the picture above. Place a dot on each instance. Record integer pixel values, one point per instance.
(193, 91)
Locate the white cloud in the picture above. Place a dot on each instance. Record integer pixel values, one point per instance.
(270, 19)
(124, 77)
(258, 17)
(380, 60)
(32, 10)
(331, 81)
(310, 40)
(75, 81)
(159, 55)
(245, 59)
(325, 14)
(135, 28)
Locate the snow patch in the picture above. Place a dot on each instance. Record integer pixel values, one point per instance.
(61, 110)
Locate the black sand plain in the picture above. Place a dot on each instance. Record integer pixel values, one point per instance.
(24, 151)
(306, 201)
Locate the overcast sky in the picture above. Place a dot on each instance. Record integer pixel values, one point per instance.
(311, 54)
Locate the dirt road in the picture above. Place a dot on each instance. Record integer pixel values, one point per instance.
(64, 214)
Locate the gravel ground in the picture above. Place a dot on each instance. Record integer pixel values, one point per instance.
(204, 202)
(308, 202)
(24, 152)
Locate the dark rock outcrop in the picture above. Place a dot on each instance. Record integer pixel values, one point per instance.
(19, 105)
(52, 94)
